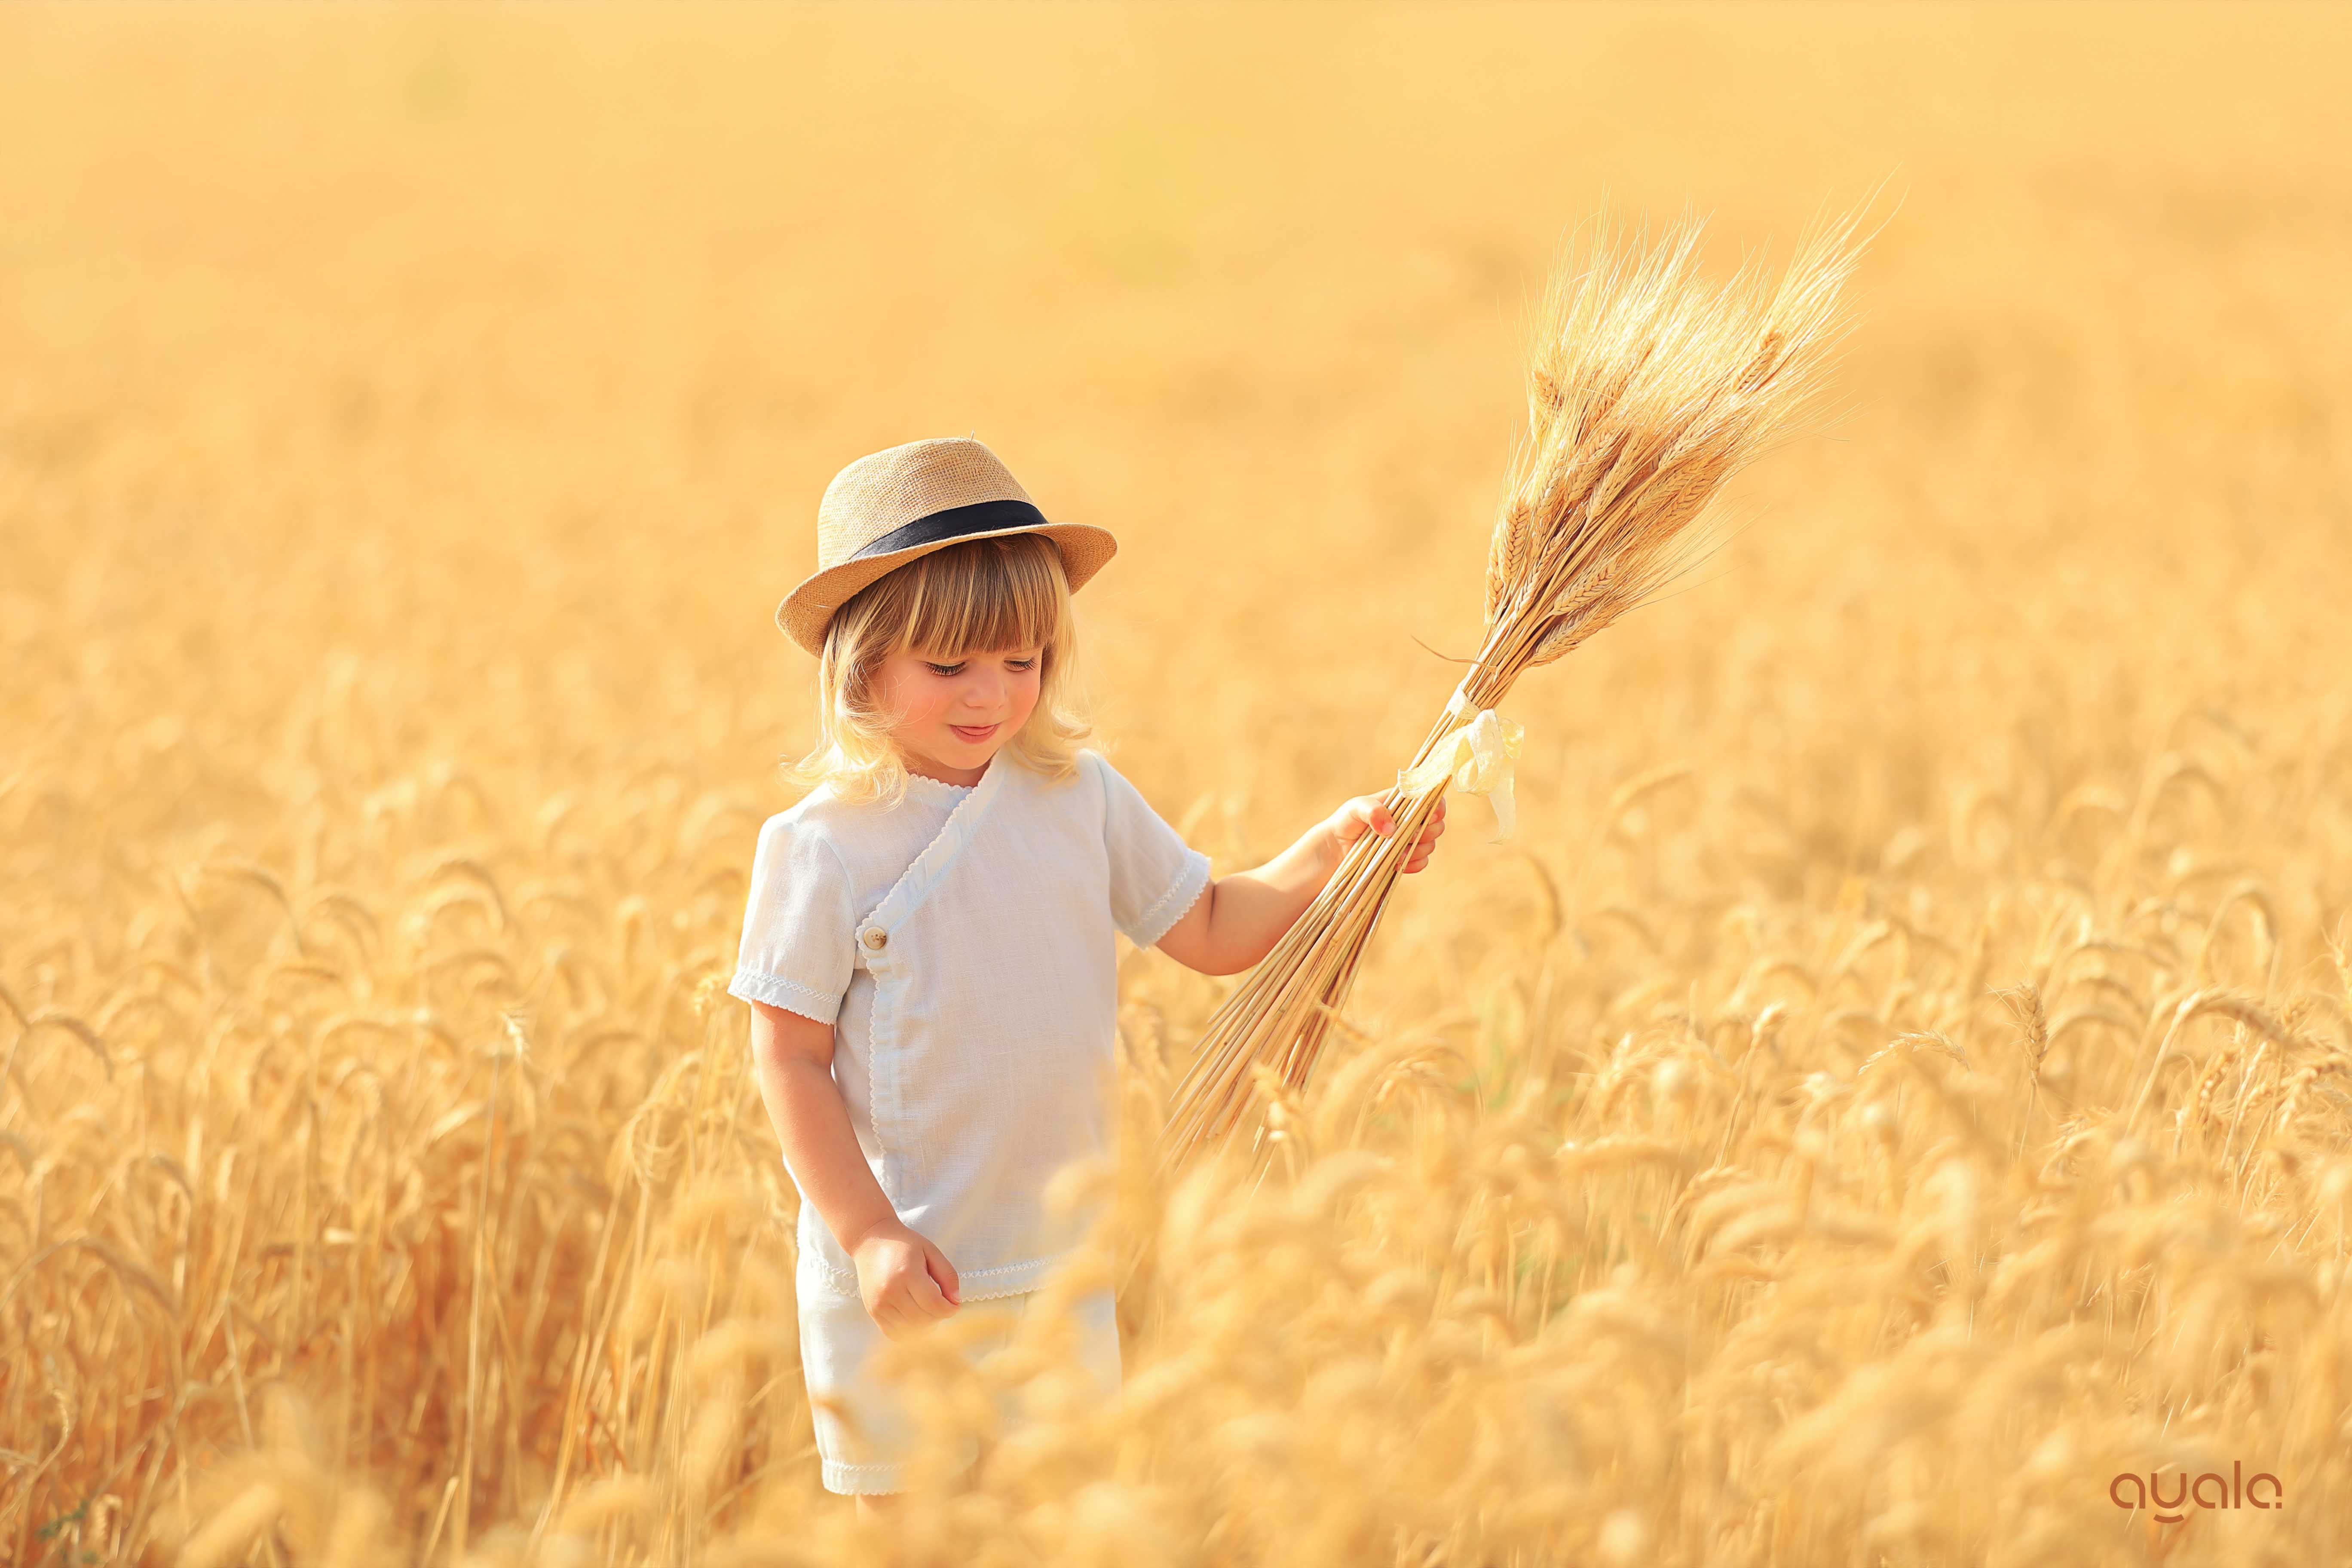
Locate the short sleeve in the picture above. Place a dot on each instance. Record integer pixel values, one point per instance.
(1155, 876)
(798, 925)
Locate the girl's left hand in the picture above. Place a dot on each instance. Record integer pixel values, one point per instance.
(1365, 811)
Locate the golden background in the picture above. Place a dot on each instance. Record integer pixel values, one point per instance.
(410, 417)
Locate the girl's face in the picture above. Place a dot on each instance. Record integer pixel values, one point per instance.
(954, 714)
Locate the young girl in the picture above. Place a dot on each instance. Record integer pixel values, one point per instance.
(927, 945)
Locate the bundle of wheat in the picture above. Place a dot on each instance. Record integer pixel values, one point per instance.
(1647, 389)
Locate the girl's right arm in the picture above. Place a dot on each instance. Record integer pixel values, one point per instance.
(903, 1280)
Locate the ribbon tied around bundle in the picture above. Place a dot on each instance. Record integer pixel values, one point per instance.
(1477, 758)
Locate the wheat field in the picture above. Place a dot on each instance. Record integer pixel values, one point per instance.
(1892, 1085)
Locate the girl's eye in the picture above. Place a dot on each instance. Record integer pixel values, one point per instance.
(1024, 664)
(955, 668)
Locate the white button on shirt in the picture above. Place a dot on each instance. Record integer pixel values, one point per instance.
(961, 945)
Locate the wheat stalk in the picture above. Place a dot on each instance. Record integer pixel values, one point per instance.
(1647, 388)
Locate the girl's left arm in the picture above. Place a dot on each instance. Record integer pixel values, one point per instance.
(1238, 919)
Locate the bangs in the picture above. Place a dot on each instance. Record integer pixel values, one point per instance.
(976, 596)
(984, 595)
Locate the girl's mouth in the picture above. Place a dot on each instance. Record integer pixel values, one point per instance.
(970, 732)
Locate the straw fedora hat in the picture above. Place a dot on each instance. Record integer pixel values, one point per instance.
(889, 506)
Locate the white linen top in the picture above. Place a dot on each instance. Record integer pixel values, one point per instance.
(961, 944)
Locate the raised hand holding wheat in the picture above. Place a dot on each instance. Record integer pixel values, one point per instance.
(1647, 389)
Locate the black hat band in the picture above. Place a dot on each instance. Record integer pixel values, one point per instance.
(955, 522)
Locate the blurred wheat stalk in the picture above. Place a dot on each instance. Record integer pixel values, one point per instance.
(1647, 389)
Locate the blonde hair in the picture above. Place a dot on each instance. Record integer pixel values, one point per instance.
(981, 595)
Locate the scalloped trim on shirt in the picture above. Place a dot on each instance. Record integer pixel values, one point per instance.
(790, 995)
(1196, 874)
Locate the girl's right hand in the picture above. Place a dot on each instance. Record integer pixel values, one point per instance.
(905, 1281)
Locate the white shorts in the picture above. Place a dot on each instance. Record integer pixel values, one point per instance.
(869, 1451)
